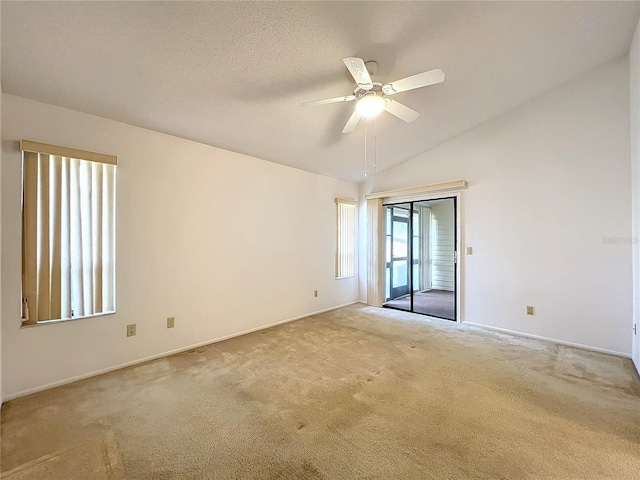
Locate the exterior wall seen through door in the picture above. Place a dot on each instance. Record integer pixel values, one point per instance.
(442, 246)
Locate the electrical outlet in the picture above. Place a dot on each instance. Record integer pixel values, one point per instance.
(315, 293)
(469, 250)
(171, 322)
(131, 330)
(529, 310)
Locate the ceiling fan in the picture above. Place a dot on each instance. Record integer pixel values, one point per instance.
(373, 97)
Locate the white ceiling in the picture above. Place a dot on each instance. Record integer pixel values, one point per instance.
(234, 74)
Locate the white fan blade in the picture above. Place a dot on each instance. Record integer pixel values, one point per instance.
(353, 121)
(423, 79)
(359, 72)
(348, 98)
(401, 111)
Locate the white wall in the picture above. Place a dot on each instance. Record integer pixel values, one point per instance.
(222, 241)
(442, 248)
(547, 183)
(634, 77)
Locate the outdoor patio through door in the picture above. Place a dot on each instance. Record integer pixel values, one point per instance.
(420, 257)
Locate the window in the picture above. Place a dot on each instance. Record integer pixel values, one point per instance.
(346, 238)
(68, 233)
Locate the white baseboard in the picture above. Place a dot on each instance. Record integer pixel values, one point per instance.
(637, 367)
(29, 391)
(548, 339)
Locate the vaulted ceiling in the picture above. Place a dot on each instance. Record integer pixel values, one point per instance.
(233, 74)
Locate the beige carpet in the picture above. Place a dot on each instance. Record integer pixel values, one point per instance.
(96, 459)
(356, 393)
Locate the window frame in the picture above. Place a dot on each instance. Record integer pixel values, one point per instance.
(108, 186)
(346, 237)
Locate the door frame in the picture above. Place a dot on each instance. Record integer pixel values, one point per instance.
(407, 257)
(459, 240)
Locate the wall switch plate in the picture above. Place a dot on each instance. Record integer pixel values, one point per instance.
(315, 293)
(469, 250)
(131, 330)
(171, 322)
(529, 310)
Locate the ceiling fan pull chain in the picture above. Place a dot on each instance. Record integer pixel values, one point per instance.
(365, 147)
(375, 148)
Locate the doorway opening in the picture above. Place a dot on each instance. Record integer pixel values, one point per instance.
(420, 257)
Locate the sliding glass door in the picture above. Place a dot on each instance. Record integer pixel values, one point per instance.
(397, 250)
(420, 257)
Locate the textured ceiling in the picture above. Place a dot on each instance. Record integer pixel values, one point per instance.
(234, 74)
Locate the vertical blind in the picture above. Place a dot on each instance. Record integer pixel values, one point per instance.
(346, 238)
(375, 259)
(68, 235)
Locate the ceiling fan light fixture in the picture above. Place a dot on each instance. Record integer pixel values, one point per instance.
(370, 105)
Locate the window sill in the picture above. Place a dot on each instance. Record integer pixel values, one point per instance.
(348, 276)
(65, 320)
